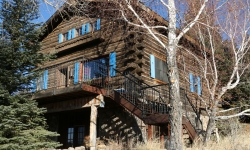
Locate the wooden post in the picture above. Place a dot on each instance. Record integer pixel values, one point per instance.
(149, 132)
(92, 130)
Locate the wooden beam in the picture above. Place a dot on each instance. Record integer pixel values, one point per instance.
(73, 104)
(92, 129)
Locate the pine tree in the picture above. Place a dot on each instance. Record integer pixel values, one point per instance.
(22, 124)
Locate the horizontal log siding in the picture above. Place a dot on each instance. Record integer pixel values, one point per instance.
(152, 47)
(114, 41)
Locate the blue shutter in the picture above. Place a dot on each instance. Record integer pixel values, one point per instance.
(76, 72)
(69, 35)
(45, 79)
(60, 37)
(192, 81)
(73, 33)
(34, 85)
(112, 64)
(83, 29)
(98, 24)
(152, 66)
(87, 27)
(198, 85)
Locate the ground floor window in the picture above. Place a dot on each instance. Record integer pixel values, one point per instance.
(70, 136)
(75, 136)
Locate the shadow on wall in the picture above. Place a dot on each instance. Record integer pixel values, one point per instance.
(118, 125)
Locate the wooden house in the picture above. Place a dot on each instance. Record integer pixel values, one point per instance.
(111, 83)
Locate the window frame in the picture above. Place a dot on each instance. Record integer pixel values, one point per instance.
(153, 73)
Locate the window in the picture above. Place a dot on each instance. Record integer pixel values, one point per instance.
(62, 77)
(42, 81)
(70, 136)
(78, 32)
(88, 70)
(158, 69)
(65, 36)
(80, 135)
(195, 84)
(95, 69)
(76, 136)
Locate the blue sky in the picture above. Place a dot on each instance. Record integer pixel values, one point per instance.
(45, 12)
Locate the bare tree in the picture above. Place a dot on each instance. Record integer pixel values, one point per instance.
(232, 24)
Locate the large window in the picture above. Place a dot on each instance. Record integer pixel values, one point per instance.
(158, 69)
(96, 69)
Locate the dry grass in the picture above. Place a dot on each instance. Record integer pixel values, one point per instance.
(153, 144)
(238, 138)
(240, 141)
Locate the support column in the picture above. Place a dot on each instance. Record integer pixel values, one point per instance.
(93, 127)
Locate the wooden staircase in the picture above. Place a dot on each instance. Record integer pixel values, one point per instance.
(153, 119)
(143, 100)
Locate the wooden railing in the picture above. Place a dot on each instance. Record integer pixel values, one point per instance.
(74, 72)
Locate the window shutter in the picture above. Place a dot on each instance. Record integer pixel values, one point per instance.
(73, 33)
(198, 85)
(60, 37)
(87, 27)
(152, 66)
(45, 79)
(69, 35)
(83, 29)
(112, 64)
(191, 80)
(98, 24)
(33, 89)
(76, 72)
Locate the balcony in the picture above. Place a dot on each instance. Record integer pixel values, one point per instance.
(66, 78)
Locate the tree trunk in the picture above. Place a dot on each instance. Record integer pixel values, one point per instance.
(210, 125)
(175, 114)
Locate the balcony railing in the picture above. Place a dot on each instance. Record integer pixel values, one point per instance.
(74, 72)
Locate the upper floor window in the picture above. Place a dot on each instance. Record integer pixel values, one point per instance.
(158, 69)
(195, 83)
(84, 29)
(65, 36)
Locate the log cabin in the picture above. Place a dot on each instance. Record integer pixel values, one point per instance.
(109, 81)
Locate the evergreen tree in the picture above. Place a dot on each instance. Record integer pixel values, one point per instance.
(22, 124)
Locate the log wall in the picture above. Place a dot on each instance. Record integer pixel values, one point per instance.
(132, 49)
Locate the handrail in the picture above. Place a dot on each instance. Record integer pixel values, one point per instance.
(146, 98)
(147, 85)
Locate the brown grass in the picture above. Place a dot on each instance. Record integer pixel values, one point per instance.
(240, 141)
(153, 144)
(238, 138)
